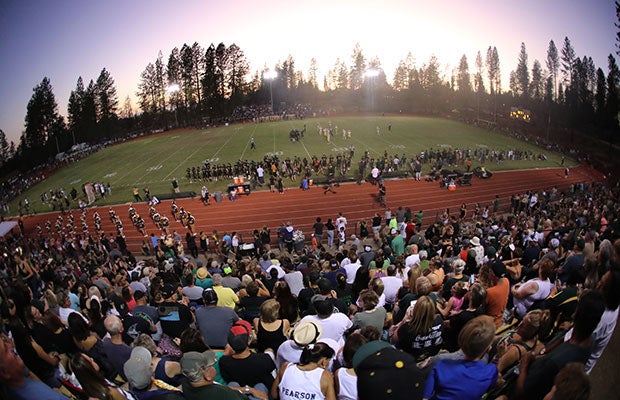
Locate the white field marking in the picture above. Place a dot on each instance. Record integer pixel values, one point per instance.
(75, 181)
(443, 145)
(192, 154)
(398, 146)
(139, 164)
(305, 148)
(211, 160)
(175, 137)
(247, 143)
(301, 141)
(110, 175)
(366, 147)
(154, 168)
(482, 145)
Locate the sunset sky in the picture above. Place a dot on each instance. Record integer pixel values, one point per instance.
(65, 39)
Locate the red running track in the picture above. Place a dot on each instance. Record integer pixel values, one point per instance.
(357, 202)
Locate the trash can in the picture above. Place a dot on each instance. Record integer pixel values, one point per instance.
(299, 245)
(218, 197)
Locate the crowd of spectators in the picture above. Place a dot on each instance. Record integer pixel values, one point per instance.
(450, 309)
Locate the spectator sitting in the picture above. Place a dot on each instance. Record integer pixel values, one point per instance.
(447, 376)
(226, 296)
(249, 305)
(270, 330)
(115, 349)
(165, 369)
(304, 334)
(371, 314)
(200, 372)
(240, 366)
(140, 377)
(213, 320)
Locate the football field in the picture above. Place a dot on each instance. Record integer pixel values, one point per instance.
(154, 161)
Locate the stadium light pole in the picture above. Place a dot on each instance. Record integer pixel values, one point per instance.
(172, 89)
(270, 76)
(371, 74)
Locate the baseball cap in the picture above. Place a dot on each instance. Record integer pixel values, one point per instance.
(333, 263)
(393, 231)
(227, 270)
(317, 297)
(168, 290)
(138, 294)
(138, 368)
(555, 243)
(239, 335)
(209, 296)
(306, 333)
(367, 248)
(192, 361)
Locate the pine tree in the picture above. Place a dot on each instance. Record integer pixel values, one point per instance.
(41, 117)
(553, 65)
(107, 103)
(567, 62)
(463, 80)
(358, 68)
(75, 111)
(522, 74)
(537, 83)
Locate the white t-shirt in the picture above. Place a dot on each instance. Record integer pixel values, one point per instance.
(412, 259)
(391, 286)
(295, 281)
(351, 269)
(341, 222)
(332, 327)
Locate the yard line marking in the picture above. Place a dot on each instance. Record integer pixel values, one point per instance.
(191, 155)
(247, 143)
(150, 158)
(301, 141)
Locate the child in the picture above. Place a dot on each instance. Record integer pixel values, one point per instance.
(447, 376)
(459, 290)
(315, 243)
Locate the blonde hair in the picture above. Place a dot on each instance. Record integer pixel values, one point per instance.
(423, 316)
(414, 273)
(270, 310)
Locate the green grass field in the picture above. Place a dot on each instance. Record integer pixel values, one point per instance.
(153, 161)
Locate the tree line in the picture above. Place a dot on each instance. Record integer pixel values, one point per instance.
(194, 86)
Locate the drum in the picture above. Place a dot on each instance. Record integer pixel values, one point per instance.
(240, 189)
(236, 180)
(241, 180)
(310, 182)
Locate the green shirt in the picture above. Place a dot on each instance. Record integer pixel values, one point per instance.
(211, 392)
(398, 245)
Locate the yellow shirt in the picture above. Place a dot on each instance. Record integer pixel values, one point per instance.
(226, 297)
